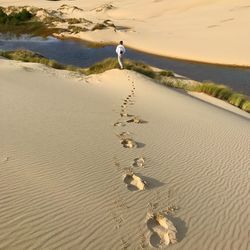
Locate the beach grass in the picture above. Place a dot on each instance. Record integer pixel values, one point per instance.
(224, 93)
(100, 67)
(29, 56)
(164, 77)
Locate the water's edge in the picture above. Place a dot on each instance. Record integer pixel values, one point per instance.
(93, 44)
(81, 53)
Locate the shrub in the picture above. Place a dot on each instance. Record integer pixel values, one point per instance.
(23, 15)
(15, 18)
(3, 17)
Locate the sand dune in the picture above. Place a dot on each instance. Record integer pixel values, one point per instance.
(204, 30)
(61, 164)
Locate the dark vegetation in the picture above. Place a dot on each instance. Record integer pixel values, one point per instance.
(15, 18)
(23, 22)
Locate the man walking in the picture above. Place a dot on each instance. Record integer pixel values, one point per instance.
(120, 50)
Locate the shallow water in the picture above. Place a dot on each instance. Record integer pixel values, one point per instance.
(80, 54)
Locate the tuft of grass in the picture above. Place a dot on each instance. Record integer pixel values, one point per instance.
(100, 67)
(246, 106)
(237, 99)
(140, 67)
(167, 73)
(29, 56)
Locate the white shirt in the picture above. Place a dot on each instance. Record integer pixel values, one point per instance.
(120, 48)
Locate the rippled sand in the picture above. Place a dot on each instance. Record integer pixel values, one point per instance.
(62, 164)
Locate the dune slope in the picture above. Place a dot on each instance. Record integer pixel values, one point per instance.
(62, 164)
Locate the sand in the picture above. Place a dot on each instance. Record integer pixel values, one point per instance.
(62, 164)
(202, 30)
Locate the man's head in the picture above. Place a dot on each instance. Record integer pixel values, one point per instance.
(121, 42)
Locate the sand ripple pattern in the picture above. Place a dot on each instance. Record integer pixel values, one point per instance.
(62, 165)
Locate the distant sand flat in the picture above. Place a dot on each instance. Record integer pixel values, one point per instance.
(202, 30)
(61, 163)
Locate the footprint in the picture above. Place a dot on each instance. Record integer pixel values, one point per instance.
(119, 124)
(117, 164)
(123, 114)
(134, 182)
(118, 220)
(131, 103)
(162, 230)
(136, 120)
(128, 143)
(124, 135)
(5, 159)
(139, 162)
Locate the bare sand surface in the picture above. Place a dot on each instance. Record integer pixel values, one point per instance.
(65, 175)
(212, 31)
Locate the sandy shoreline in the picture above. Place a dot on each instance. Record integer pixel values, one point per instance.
(197, 30)
(94, 43)
(62, 163)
